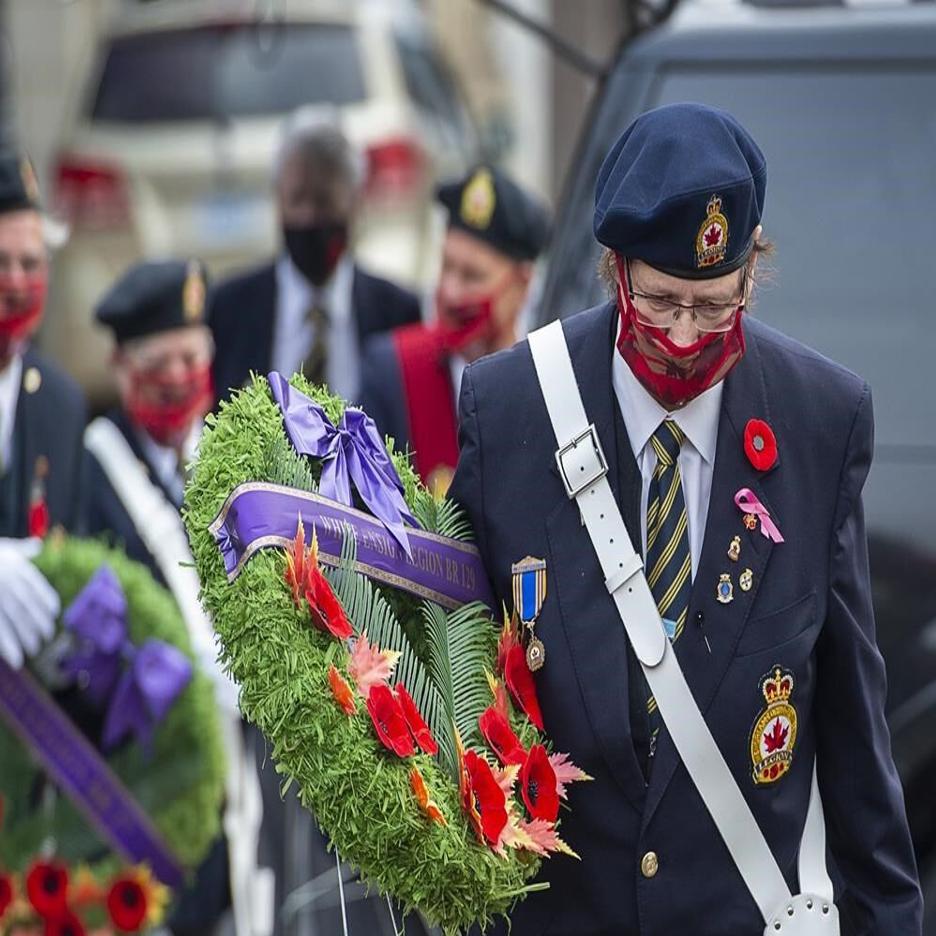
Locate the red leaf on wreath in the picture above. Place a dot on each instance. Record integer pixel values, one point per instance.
(126, 904)
(760, 444)
(7, 893)
(500, 738)
(327, 613)
(485, 803)
(47, 888)
(66, 925)
(415, 723)
(566, 772)
(426, 804)
(538, 785)
(370, 666)
(296, 558)
(775, 740)
(387, 716)
(508, 640)
(342, 692)
(520, 683)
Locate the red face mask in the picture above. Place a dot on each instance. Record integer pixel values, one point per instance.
(169, 422)
(20, 318)
(674, 374)
(467, 323)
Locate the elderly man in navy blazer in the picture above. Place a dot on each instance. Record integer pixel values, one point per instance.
(737, 458)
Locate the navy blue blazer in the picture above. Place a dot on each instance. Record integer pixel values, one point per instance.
(49, 422)
(383, 396)
(242, 312)
(808, 611)
(105, 514)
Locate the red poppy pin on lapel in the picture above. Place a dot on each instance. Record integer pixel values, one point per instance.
(760, 444)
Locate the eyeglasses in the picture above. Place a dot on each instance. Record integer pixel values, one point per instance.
(660, 312)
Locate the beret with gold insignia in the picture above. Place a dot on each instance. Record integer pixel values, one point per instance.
(155, 296)
(19, 188)
(490, 206)
(683, 190)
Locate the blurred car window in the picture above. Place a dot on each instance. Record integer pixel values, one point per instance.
(228, 71)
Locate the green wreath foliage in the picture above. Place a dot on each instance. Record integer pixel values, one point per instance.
(359, 793)
(179, 784)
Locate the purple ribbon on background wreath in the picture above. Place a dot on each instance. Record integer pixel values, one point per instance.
(352, 451)
(139, 685)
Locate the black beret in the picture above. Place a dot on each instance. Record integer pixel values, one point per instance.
(19, 188)
(491, 207)
(683, 190)
(155, 296)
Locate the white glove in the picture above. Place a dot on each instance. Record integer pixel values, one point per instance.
(29, 605)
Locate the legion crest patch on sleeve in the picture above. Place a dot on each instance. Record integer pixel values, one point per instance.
(774, 733)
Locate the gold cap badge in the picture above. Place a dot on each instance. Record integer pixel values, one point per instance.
(479, 200)
(193, 294)
(712, 239)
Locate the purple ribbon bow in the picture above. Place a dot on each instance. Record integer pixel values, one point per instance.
(138, 685)
(351, 452)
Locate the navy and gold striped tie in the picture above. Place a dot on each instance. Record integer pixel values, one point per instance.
(668, 560)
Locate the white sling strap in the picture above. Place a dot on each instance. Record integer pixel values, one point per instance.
(583, 469)
(157, 522)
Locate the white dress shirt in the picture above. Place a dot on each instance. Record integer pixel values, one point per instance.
(10, 378)
(165, 461)
(294, 333)
(698, 419)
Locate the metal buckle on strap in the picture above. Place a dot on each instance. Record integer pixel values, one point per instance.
(581, 462)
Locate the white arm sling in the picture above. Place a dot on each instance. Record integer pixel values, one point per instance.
(159, 526)
(583, 469)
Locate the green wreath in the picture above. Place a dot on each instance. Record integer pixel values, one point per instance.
(296, 684)
(178, 782)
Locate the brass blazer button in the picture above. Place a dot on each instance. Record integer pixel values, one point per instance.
(649, 864)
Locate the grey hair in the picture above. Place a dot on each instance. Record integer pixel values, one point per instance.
(316, 134)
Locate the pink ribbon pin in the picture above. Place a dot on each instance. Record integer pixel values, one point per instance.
(747, 502)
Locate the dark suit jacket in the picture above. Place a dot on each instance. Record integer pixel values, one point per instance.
(242, 313)
(49, 422)
(383, 395)
(809, 611)
(105, 515)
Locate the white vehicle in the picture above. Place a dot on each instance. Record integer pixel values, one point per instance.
(170, 145)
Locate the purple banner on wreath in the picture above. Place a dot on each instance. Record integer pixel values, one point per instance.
(83, 776)
(258, 514)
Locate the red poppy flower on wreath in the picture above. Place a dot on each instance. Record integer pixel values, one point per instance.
(483, 800)
(520, 683)
(126, 904)
(47, 889)
(414, 721)
(500, 738)
(760, 444)
(327, 613)
(389, 721)
(6, 893)
(538, 785)
(66, 925)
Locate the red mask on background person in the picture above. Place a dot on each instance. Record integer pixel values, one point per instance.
(674, 374)
(169, 421)
(461, 325)
(19, 323)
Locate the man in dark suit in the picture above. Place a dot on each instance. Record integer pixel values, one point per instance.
(312, 307)
(42, 417)
(693, 402)
(411, 376)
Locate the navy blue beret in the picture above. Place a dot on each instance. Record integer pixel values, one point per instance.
(493, 208)
(155, 296)
(683, 190)
(19, 190)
